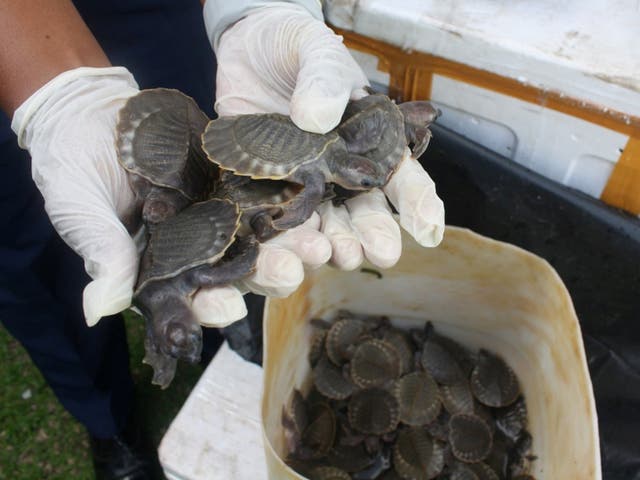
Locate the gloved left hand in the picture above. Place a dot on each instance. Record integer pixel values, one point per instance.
(280, 58)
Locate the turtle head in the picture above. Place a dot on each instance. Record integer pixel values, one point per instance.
(162, 203)
(357, 172)
(172, 325)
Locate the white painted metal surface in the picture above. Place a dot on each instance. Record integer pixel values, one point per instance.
(586, 49)
(217, 433)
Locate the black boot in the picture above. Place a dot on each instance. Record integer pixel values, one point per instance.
(114, 459)
(122, 457)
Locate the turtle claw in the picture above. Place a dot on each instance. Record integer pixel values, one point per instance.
(421, 139)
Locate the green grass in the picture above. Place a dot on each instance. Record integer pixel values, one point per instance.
(40, 440)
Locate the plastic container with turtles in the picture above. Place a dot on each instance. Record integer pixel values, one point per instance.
(482, 293)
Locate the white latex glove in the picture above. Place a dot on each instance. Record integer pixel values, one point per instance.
(279, 58)
(279, 273)
(68, 126)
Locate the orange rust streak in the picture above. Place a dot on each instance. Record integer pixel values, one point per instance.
(406, 68)
(623, 188)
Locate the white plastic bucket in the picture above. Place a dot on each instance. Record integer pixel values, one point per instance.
(482, 293)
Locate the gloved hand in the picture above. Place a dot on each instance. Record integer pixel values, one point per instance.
(68, 126)
(279, 58)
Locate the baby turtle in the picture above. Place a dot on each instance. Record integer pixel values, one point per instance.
(403, 348)
(417, 456)
(330, 380)
(440, 362)
(360, 154)
(493, 382)
(319, 435)
(377, 128)
(158, 143)
(373, 411)
(191, 250)
(418, 397)
(342, 338)
(469, 437)
(374, 362)
(457, 397)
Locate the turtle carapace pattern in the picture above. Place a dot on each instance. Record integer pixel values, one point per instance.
(394, 423)
(360, 154)
(158, 143)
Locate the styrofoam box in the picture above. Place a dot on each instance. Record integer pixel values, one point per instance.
(217, 433)
(585, 49)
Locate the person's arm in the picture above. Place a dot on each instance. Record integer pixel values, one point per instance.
(39, 39)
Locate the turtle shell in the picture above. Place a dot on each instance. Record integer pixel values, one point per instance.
(158, 138)
(457, 397)
(498, 458)
(320, 433)
(403, 347)
(200, 234)
(484, 471)
(317, 346)
(264, 146)
(255, 195)
(373, 126)
(416, 455)
(330, 381)
(374, 362)
(440, 363)
(469, 437)
(493, 382)
(461, 471)
(328, 473)
(418, 397)
(342, 337)
(373, 411)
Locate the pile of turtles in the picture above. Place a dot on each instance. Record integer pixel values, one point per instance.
(210, 191)
(414, 405)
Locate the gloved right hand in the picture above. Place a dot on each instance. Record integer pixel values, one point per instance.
(68, 126)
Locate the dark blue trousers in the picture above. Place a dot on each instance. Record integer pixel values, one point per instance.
(163, 43)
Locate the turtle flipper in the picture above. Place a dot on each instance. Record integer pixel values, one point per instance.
(164, 366)
(418, 116)
(420, 140)
(239, 261)
(300, 208)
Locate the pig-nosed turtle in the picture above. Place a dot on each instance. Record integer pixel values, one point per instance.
(195, 248)
(360, 154)
(158, 143)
